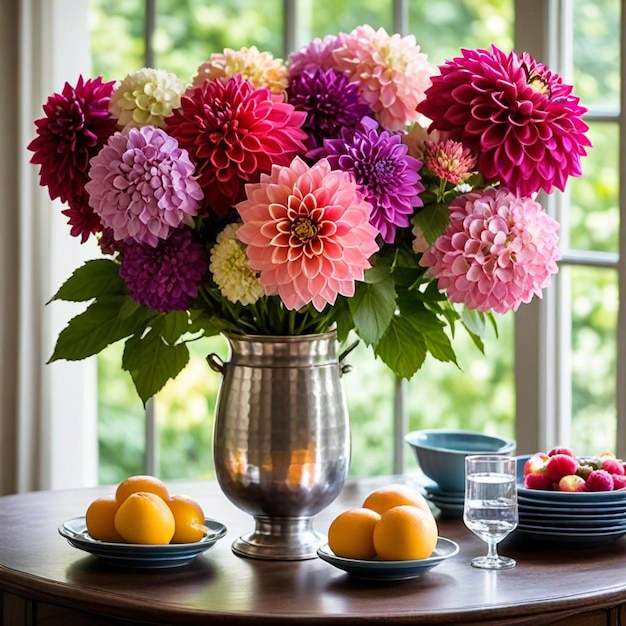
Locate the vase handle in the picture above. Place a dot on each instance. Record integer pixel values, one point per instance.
(215, 363)
(346, 367)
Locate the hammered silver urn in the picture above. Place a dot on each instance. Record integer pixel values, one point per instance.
(281, 442)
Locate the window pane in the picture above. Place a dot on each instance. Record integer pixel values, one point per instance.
(329, 17)
(594, 210)
(596, 63)
(461, 23)
(187, 33)
(594, 329)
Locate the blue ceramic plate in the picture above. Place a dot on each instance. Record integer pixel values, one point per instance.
(582, 511)
(571, 537)
(579, 497)
(570, 524)
(390, 570)
(137, 555)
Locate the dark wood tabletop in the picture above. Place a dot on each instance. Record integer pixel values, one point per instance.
(45, 581)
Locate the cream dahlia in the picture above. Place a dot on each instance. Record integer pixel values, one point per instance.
(231, 270)
(308, 233)
(146, 97)
(260, 68)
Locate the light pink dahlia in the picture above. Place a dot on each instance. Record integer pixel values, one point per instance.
(142, 185)
(308, 233)
(233, 132)
(391, 71)
(519, 117)
(498, 251)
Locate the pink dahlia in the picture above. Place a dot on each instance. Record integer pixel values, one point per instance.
(449, 160)
(308, 233)
(165, 277)
(233, 132)
(142, 185)
(519, 117)
(77, 123)
(316, 55)
(498, 251)
(391, 71)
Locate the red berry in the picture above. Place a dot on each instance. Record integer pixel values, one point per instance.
(619, 481)
(560, 465)
(600, 480)
(538, 480)
(560, 450)
(613, 466)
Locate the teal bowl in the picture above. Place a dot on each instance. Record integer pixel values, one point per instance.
(441, 454)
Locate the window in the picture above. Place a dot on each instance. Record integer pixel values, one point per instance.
(550, 377)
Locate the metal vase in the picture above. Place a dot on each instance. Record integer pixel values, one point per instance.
(281, 444)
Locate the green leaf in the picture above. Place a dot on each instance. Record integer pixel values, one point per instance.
(474, 321)
(401, 348)
(151, 362)
(372, 308)
(93, 330)
(432, 220)
(173, 325)
(377, 273)
(435, 338)
(93, 279)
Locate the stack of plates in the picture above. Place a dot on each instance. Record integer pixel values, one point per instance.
(565, 517)
(450, 503)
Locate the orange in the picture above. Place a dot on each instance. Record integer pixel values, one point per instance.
(405, 533)
(351, 534)
(386, 498)
(100, 519)
(133, 484)
(189, 519)
(145, 517)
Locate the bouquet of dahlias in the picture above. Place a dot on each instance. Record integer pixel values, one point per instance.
(353, 187)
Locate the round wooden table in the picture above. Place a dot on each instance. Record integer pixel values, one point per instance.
(45, 581)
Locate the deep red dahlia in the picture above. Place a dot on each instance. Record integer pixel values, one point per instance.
(76, 125)
(521, 119)
(233, 132)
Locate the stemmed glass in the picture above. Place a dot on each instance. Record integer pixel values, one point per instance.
(490, 508)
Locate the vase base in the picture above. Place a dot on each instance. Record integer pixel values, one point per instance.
(280, 540)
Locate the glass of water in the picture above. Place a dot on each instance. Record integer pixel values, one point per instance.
(490, 509)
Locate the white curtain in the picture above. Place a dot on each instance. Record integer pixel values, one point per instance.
(48, 412)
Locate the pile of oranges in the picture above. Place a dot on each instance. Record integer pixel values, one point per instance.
(393, 524)
(142, 511)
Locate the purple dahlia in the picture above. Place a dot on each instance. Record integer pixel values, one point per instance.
(165, 277)
(385, 173)
(331, 102)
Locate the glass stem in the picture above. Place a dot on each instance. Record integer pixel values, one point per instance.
(492, 550)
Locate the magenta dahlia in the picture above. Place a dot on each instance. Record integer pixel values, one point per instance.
(165, 277)
(384, 172)
(308, 233)
(83, 220)
(498, 251)
(233, 132)
(317, 54)
(143, 185)
(521, 119)
(331, 103)
(77, 123)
